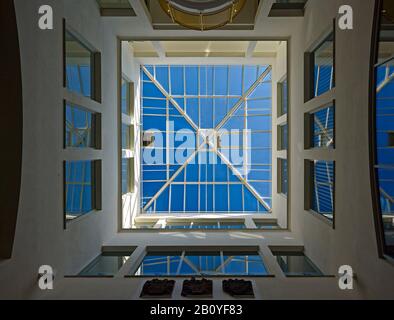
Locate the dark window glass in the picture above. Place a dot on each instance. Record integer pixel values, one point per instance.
(283, 137)
(125, 97)
(126, 175)
(126, 136)
(283, 187)
(106, 264)
(114, 4)
(297, 264)
(384, 130)
(261, 224)
(283, 94)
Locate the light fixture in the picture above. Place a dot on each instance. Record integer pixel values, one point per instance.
(202, 14)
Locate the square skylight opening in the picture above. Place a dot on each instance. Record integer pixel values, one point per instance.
(212, 128)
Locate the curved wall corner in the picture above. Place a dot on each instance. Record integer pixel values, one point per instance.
(11, 115)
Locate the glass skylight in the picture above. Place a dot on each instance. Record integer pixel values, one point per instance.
(190, 263)
(207, 138)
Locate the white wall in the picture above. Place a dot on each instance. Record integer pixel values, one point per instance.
(40, 238)
(353, 241)
(130, 69)
(279, 201)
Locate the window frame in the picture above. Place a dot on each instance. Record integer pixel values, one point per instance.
(309, 65)
(280, 176)
(115, 12)
(309, 127)
(181, 251)
(280, 95)
(95, 64)
(96, 177)
(95, 128)
(282, 138)
(384, 251)
(309, 190)
(128, 120)
(296, 251)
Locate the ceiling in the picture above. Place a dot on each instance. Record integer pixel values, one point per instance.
(243, 49)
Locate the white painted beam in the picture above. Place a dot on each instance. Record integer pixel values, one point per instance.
(251, 47)
(159, 49)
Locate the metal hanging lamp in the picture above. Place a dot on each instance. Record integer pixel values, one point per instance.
(202, 14)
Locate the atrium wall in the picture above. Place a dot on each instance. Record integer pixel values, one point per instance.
(40, 237)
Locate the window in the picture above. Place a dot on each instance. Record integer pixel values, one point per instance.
(82, 68)
(282, 176)
(232, 225)
(106, 265)
(287, 8)
(282, 137)
(282, 98)
(202, 263)
(127, 94)
(266, 225)
(320, 183)
(82, 127)
(82, 183)
(320, 69)
(204, 225)
(320, 128)
(295, 264)
(127, 136)
(127, 175)
(382, 128)
(116, 8)
(196, 157)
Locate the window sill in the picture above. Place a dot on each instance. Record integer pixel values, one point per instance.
(68, 223)
(198, 276)
(322, 218)
(88, 277)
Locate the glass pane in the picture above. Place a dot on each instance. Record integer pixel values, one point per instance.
(323, 193)
(202, 263)
(265, 225)
(283, 177)
(232, 225)
(297, 265)
(107, 264)
(78, 188)
(125, 97)
(283, 135)
(324, 67)
(78, 66)
(384, 127)
(78, 126)
(323, 128)
(126, 177)
(283, 97)
(242, 264)
(126, 137)
(114, 4)
(215, 118)
(160, 264)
